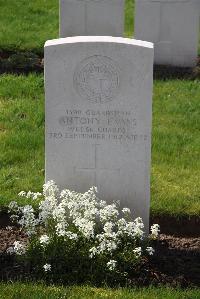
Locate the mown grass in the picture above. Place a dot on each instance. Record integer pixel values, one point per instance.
(26, 25)
(175, 185)
(21, 135)
(39, 291)
(176, 147)
(129, 18)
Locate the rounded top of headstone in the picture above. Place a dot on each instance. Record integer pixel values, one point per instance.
(99, 39)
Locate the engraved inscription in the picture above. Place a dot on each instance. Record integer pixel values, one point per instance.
(110, 125)
(96, 79)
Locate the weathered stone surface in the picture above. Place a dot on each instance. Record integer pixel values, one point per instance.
(173, 25)
(98, 117)
(91, 17)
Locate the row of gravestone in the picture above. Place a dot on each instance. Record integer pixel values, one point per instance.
(99, 106)
(172, 25)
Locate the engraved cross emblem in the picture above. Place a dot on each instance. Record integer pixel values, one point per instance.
(100, 84)
(97, 168)
(96, 79)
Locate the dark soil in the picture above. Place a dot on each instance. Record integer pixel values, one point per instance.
(176, 261)
(182, 226)
(20, 62)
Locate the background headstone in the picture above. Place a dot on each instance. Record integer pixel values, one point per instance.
(173, 25)
(91, 17)
(98, 117)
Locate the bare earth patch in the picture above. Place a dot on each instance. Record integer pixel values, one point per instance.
(175, 263)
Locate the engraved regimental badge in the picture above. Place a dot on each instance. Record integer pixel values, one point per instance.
(96, 79)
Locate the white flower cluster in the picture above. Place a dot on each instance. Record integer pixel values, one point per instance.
(150, 250)
(44, 240)
(30, 194)
(73, 215)
(155, 230)
(17, 248)
(28, 220)
(47, 267)
(138, 252)
(13, 207)
(26, 217)
(112, 265)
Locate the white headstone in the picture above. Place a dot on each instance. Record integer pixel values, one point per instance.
(173, 25)
(91, 17)
(98, 117)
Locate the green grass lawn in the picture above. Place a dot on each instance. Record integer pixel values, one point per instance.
(26, 25)
(175, 185)
(21, 135)
(39, 291)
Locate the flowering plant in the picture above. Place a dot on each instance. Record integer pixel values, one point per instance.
(77, 237)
